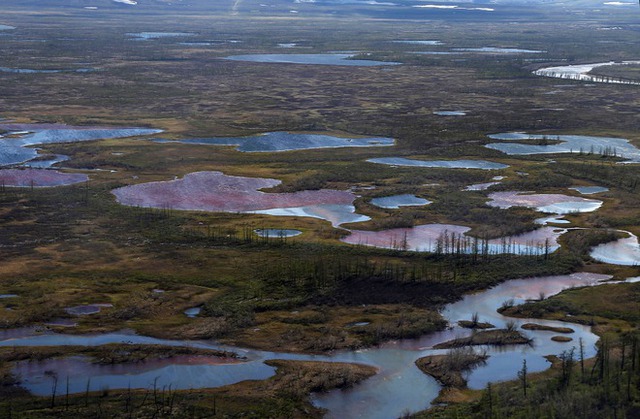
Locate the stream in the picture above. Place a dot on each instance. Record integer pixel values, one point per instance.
(399, 386)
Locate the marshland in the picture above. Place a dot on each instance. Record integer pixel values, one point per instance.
(318, 209)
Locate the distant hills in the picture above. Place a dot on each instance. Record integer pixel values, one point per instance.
(395, 7)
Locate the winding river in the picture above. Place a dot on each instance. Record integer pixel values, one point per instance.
(397, 388)
(582, 72)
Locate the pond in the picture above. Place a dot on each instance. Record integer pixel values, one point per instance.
(39, 178)
(549, 203)
(451, 238)
(217, 192)
(549, 144)
(278, 233)
(552, 220)
(480, 186)
(15, 146)
(86, 310)
(336, 214)
(285, 141)
(450, 113)
(625, 251)
(447, 164)
(397, 201)
(192, 312)
(590, 190)
(316, 59)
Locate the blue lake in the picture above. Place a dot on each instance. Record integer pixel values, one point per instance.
(565, 144)
(397, 201)
(285, 141)
(448, 164)
(317, 59)
(16, 145)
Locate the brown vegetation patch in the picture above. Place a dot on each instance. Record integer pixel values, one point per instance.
(536, 326)
(498, 337)
(448, 368)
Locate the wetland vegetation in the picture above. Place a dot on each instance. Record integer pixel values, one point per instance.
(422, 91)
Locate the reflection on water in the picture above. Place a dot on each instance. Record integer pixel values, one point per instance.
(549, 203)
(279, 233)
(449, 239)
(548, 144)
(625, 251)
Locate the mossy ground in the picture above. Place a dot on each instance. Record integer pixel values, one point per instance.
(69, 246)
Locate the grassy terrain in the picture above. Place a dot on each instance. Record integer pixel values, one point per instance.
(75, 245)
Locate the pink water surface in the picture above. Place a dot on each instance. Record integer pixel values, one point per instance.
(449, 238)
(39, 178)
(215, 191)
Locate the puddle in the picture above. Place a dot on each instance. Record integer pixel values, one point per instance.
(450, 113)
(480, 186)
(85, 310)
(193, 312)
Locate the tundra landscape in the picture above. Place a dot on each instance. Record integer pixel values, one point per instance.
(319, 208)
